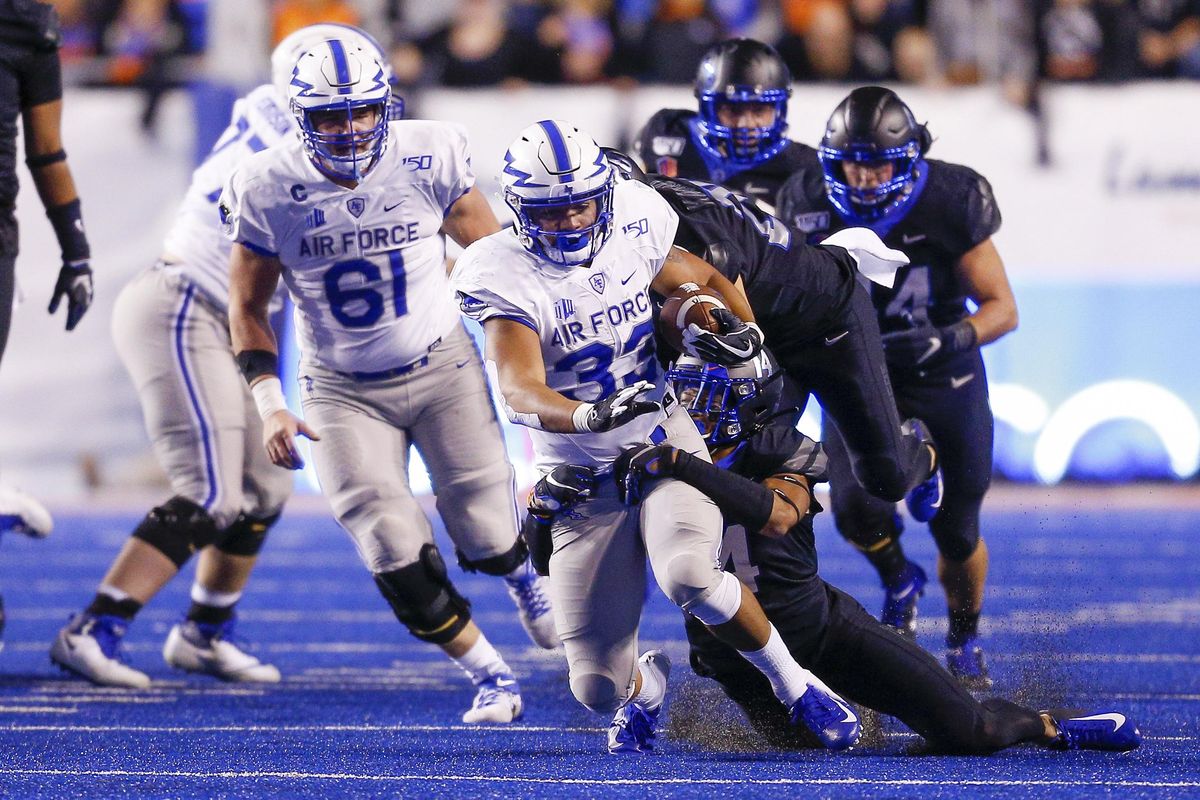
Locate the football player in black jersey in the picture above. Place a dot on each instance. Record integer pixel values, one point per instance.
(819, 320)
(761, 477)
(875, 174)
(739, 136)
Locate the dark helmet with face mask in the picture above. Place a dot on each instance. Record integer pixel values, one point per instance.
(742, 71)
(728, 404)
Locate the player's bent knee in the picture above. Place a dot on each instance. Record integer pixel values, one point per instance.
(690, 577)
(424, 600)
(597, 692)
(177, 528)
(867, 528)
(959, 546)
(882, 477)
(718, 605)
(500, 565)
(245, 537)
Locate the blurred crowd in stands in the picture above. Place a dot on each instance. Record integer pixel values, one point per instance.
(466, 43)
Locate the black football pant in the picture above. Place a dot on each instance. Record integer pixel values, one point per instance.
(869, 664)
(8, 281)
(952, 400)
(845, 369)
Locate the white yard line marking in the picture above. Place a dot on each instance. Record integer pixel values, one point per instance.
(345, 776)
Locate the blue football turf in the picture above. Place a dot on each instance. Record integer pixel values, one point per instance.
(1093, 609)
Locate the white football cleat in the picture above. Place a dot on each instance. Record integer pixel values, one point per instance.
(22, 514)
(497, 701)
(208, 649)
(90, 647)
(530, 593)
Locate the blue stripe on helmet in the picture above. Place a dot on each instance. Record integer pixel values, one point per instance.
(340, 64)
(558, 145)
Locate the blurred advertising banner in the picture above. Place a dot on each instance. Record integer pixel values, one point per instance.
(1101, 239)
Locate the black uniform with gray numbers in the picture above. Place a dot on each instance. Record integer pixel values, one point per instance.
(816, 317)
(954, 212)
(667, 145)
(828, 632)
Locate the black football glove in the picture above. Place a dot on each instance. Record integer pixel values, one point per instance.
(561, 489)
(637, 465)
(74, 283)
(738, 341)
(619, 408)
(926, 345)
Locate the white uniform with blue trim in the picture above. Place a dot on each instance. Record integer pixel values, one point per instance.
(365, 267)
(386, 362)
(171, 329)
(595, 324)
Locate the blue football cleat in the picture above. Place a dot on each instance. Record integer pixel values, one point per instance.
(635, 725)
(633, 729)
(1106, 731)
(900, 602)
(925, 499)
(966, 662)
(829, 717)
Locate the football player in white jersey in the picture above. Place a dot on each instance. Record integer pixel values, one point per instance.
(172, 331)
(564, 298)
(350, 216)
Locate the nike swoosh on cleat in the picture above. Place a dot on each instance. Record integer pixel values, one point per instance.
(850, 715)
(504, 682)
(1116, 719)
(962, 380)
(832, 340)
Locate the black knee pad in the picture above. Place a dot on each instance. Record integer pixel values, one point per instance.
(424, 600)
(177, 529)
(245, 536)
(868, 532)
(496, 565)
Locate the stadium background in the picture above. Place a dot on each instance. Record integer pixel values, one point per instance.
(1098, 179)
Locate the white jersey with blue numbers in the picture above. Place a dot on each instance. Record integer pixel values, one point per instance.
(194, 246)
(596, 323)
(365, 267)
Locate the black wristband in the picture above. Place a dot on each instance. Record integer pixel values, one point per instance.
(959, 337)
(67, 220)
(254, 363)
(45, 159)
(740, 499)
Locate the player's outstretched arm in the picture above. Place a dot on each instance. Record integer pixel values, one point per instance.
(981, 273)
(514, 354)
(470, 219)
(252, 281)
(739, 338)
(56, 187)
(682, 267)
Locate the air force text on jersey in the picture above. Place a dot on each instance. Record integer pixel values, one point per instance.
(380, 239)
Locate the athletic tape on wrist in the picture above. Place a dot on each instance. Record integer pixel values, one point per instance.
(268, 396)
(579, 417)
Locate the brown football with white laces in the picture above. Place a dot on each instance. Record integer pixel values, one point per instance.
(690, 304)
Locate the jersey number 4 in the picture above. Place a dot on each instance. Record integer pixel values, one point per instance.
(735, 549)
(362, 306)
(910, 300)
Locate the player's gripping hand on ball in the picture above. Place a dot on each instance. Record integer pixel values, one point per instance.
(738, 340)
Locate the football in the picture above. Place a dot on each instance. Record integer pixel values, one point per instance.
(688, 304)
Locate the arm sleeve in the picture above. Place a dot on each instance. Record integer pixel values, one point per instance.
(41, 79)
(780, 448)
(455, 175)
(243, 220)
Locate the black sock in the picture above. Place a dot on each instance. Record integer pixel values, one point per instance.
(104, 606)
(963, 626)
(889, 561)
(209, 615)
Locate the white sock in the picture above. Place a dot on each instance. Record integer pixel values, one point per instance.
(112, 592)
(653, 689)
(481, 661)
(207, 597)
(788, 679)
(522, 570)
